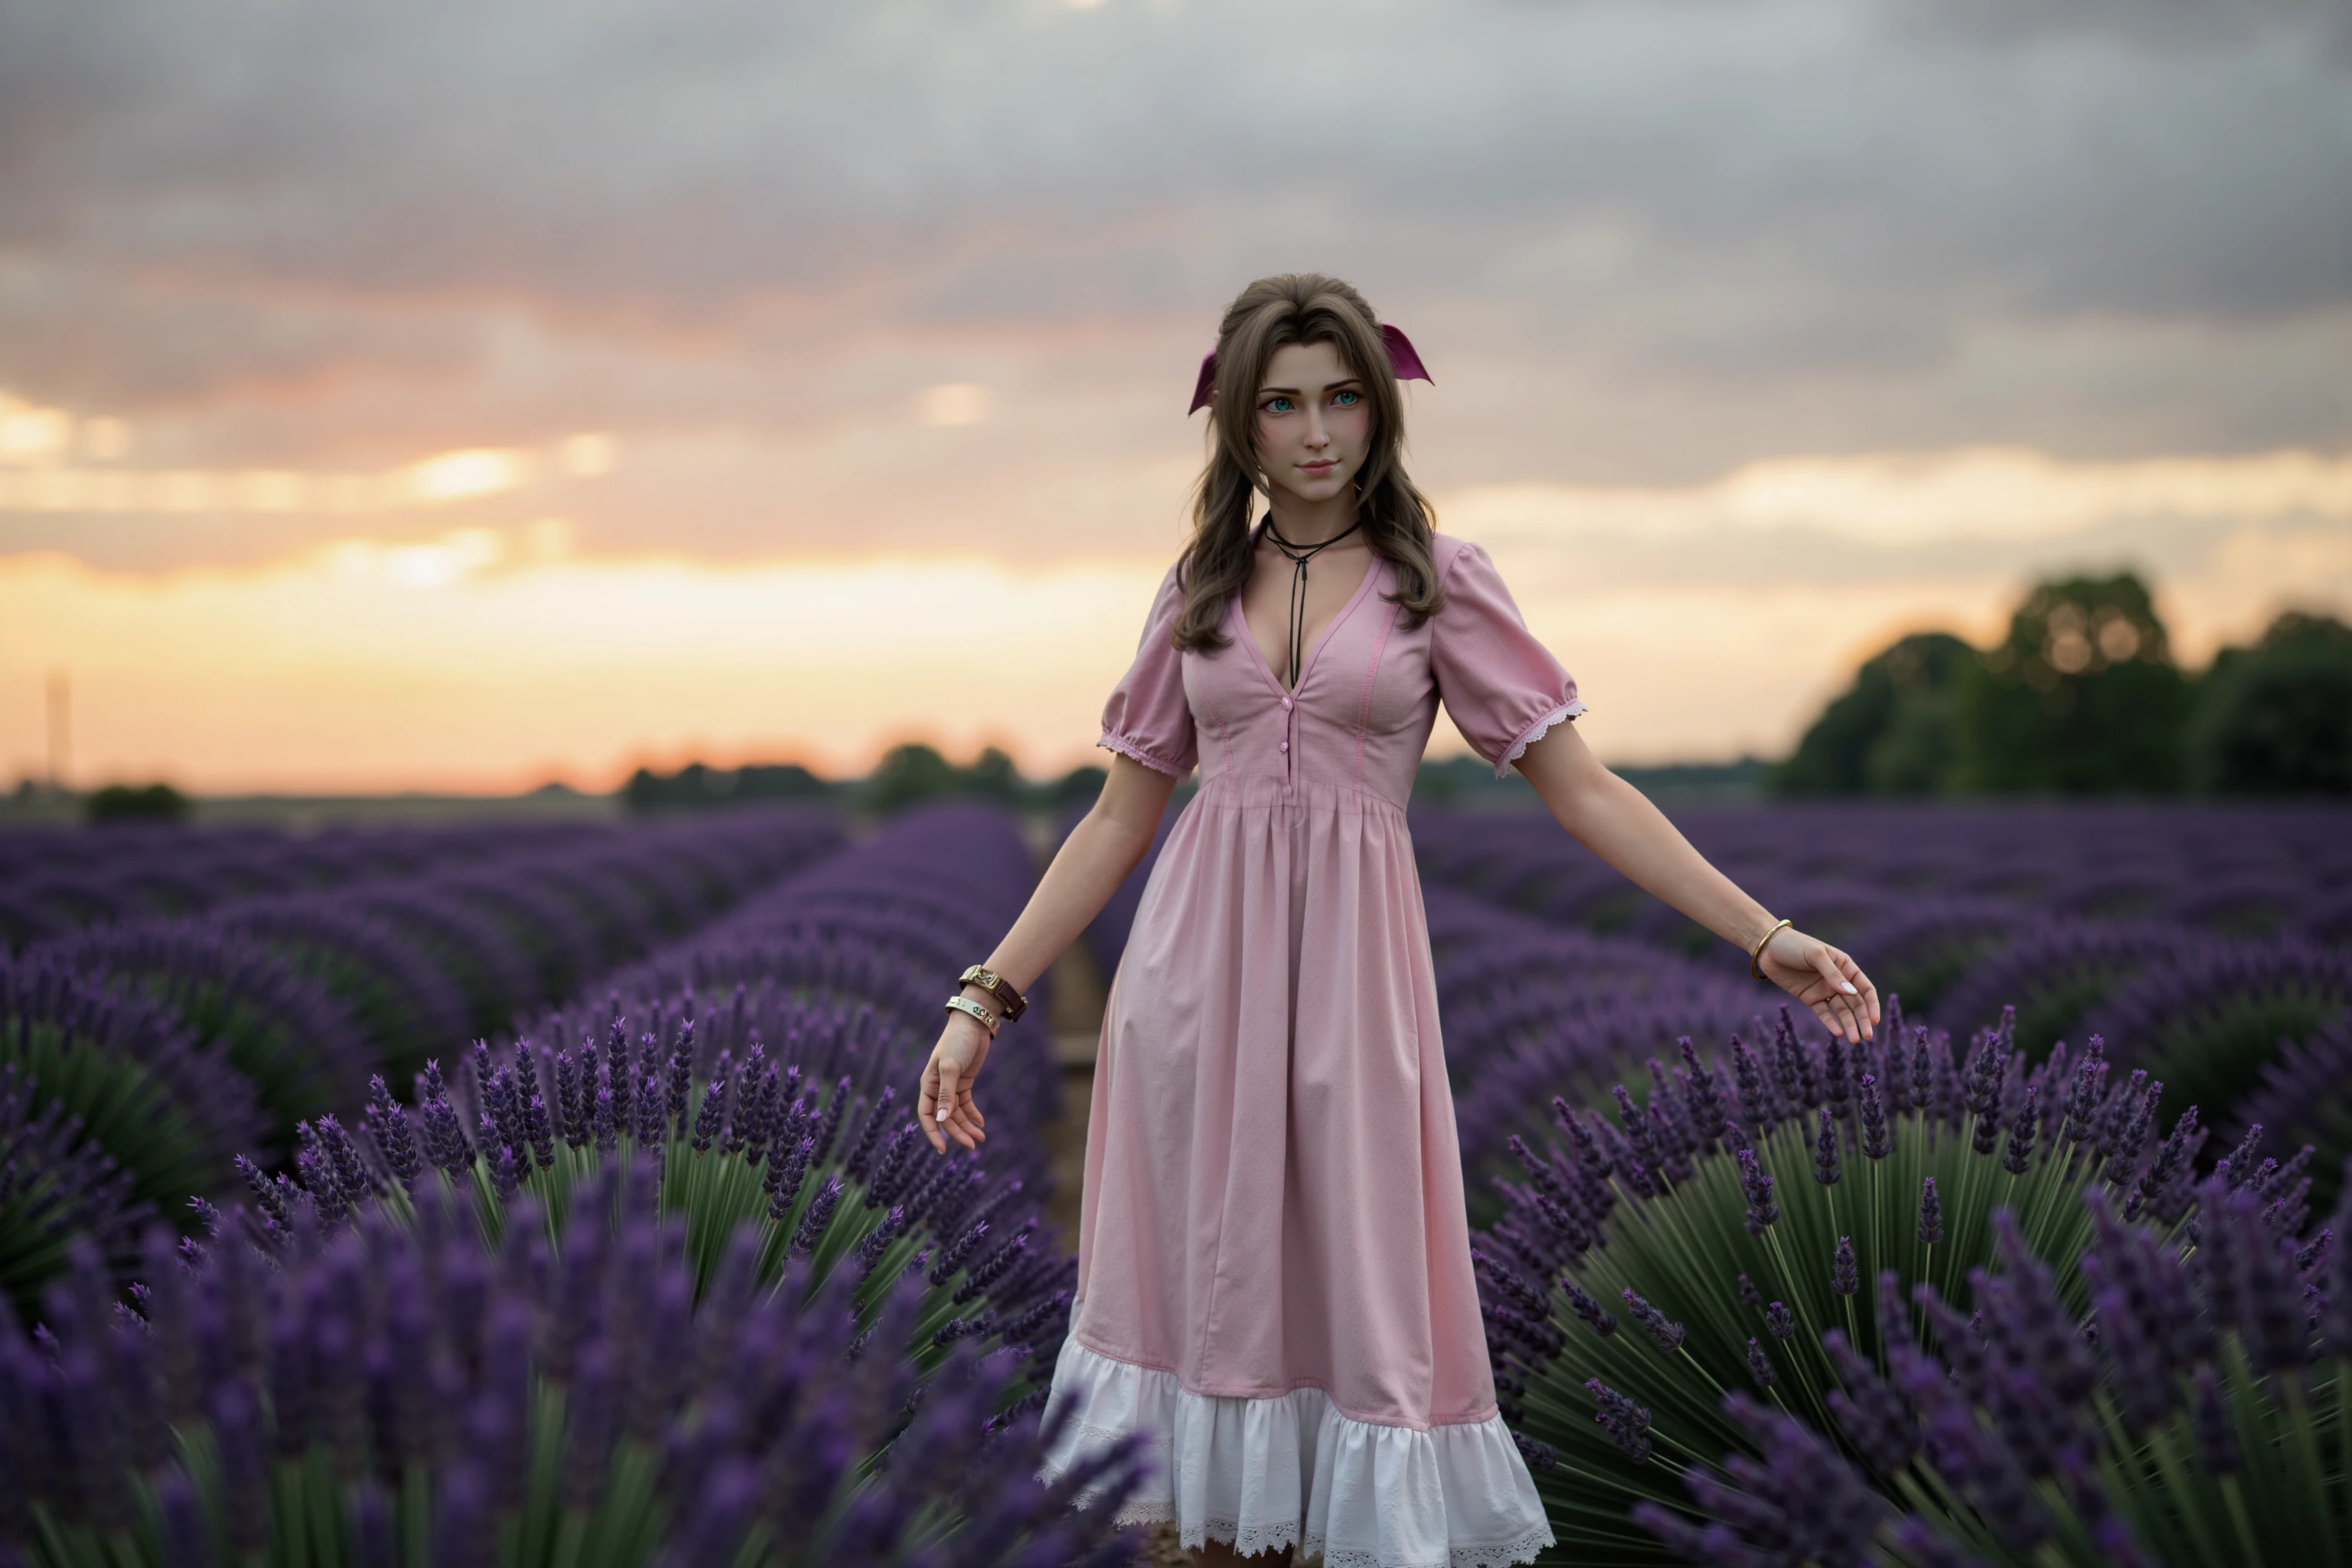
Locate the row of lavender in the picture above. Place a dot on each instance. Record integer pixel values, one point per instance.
(668, 1276)
(1961, 1296)
(2247, 1023)
(138, 1057)
(2281, 870)
(52, 883)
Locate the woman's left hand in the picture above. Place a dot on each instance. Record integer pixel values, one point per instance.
(1824, 979)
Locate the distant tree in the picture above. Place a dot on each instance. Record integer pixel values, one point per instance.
(781, 780)
(907, 775)
(993, 775)
(1079, 786)
(2080, 697)
(136, 803)
(1890, 732)
(2276, 718)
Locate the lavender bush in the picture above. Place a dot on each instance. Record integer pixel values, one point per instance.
(396, 1391)
(1734, 1232)
(2193, 1414)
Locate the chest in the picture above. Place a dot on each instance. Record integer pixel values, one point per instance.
(1285, 615)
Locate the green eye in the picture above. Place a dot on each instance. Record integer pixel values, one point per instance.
(1349, 399)
(1278, 406)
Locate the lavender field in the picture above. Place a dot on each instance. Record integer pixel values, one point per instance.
(549, 1195)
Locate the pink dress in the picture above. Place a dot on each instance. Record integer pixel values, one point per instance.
(1274, 1259)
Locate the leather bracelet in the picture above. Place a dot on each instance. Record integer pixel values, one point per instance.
(1009, 1002)
(1755, 953)
(967, 1005)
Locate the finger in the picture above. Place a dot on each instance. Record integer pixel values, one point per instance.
(1869, 992)
(949, 1087)
(927, 1106)
(1825, 962)
(1849, 1020)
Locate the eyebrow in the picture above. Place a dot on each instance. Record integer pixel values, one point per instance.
(1356, 381)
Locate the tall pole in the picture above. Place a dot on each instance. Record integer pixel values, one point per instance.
(60, 728)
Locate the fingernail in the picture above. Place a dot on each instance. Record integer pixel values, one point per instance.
(1846, 986)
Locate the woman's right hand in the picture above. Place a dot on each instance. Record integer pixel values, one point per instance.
(946, 1104)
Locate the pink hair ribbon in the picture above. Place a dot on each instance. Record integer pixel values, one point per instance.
(1403, 359)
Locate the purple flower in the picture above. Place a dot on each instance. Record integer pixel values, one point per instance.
(2083, 1104)
(1779, 1321)
(1756, 1183)
(712, 1114)
(1756, 1107)
(387, 1125)
(1877, 1144)
(1668, 1336)
(2019, 1156)
(1603, 1321)
(1759, 1365)
(1748, 1295)
(1702, 1098)
(1624, 1420)
(1845, 1277)
(540, 1128)
(1931, 1212)
(1826, 1151)
(1981, 1089)
(819, 1216)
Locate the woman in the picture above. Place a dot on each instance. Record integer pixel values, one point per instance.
(1274, 1260)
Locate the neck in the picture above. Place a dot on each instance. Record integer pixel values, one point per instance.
(1308, 522)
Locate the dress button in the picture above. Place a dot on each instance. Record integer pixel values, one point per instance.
(1286, 705)
(1286, 745)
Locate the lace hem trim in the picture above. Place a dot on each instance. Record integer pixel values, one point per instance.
(1533, 732)
(1112, 741)
(1506, 1555)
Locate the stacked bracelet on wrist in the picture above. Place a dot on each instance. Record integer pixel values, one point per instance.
(965, 1004)
(1009, 1002)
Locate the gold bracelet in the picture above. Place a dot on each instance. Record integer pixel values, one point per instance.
(966, 1005)
(1755, 953)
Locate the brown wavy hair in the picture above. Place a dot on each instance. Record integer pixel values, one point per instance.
(1399, 522)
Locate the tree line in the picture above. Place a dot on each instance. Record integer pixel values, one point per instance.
(2084, 697)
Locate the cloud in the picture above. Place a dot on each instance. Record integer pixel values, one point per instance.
(204, 200)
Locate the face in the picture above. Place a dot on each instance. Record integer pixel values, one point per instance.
(1314, 422)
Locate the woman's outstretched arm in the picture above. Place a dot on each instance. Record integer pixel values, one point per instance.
(1617, 822)
(1093, 861)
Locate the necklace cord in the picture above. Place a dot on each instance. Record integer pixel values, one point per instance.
(1299, 558)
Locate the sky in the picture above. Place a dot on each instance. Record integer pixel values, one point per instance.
(425, 396)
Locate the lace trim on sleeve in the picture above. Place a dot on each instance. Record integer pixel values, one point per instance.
(1532, 734)
(1111, 742)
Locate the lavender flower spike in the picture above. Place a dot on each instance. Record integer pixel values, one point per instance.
(1668, 1336)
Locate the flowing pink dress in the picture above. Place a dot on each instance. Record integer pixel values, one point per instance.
(1274, 1258)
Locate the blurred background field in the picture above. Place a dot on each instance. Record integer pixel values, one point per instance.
(528, 539)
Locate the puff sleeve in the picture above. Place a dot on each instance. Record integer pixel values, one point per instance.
(1502, 688)
(1148, 716)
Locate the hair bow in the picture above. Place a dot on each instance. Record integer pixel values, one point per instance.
(1403, 359)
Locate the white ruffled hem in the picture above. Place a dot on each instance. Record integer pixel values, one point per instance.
(1535, 732)
(1291, 1470)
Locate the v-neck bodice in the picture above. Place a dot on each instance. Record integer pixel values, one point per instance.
(1352, 731)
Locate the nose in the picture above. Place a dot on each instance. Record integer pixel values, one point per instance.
(1317, 436)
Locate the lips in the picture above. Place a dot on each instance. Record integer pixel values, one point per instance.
(1320, 469)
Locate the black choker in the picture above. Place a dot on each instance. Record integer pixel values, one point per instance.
(1299, 559)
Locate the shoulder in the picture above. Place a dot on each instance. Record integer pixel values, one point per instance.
(1458, 558)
